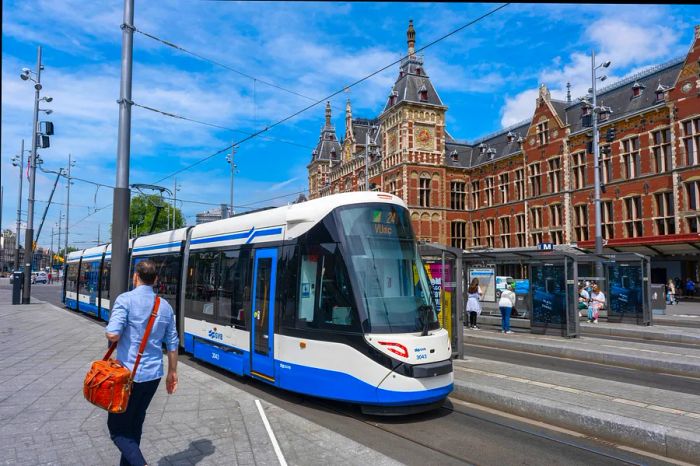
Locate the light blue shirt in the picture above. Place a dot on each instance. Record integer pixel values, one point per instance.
(129, 318)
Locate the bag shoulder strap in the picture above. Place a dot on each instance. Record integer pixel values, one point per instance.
(147, 333)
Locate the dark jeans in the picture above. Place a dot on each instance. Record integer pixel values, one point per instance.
(472, 318)
(125, 429)
(505, 318)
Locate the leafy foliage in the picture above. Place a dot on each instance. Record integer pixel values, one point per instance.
(143, 210)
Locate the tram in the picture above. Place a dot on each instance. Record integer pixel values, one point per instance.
(327, 298)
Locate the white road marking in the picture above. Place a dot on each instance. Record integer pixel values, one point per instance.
(273, 439)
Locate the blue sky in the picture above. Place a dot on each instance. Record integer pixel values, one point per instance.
(487, 74)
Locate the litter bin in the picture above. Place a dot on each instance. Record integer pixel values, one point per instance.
(17, 284)
(658, 299)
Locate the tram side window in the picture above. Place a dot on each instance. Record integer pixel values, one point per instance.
(105, 279)
(89, 279)
(72, 277)
(233, 290)
(168, 272)
(325, 294)
(200, 293)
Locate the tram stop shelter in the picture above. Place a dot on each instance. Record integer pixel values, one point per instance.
(552, 295)
(444, 267)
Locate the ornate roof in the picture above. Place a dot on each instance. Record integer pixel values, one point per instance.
(328, 147)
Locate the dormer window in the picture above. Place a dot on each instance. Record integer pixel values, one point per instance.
(660, 91)
(393, 97)
(482, 148)
(510, 136)
(418, 70)
(491, 153)
(637, 89)
(423, 93)
(454, 155)
(333, 152)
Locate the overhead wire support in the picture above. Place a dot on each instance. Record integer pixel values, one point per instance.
(343, 89)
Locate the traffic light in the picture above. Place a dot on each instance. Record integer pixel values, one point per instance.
(610, 134)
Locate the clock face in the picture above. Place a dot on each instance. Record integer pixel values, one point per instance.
(686, 87)
(424, 138)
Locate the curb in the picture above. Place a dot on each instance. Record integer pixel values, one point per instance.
(673, 443)
(675, 367)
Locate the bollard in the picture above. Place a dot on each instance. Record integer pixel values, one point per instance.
(17, 285)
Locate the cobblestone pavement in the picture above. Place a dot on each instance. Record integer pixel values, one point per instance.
(44, 419)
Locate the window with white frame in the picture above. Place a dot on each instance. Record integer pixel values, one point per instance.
(393, 187)
(424, 192)
(581, 222)
(459, 235)
(633, 217)
(630, 158)
(505, 231)
(661, 149)
(475, 194)
(519, 184)
(664, 218)
(691, 140)
(606, 221)
(543, 133)
(503, 187)
(557, 236)
(537, 237)
(692, 190)
(536, 216)
(457, 195)
(535, 179)
(578, 167)
(555, 215)
(554, 175)
(489, 191)
(490, 232)
(606, 164)
(476, 233)
(520, 230)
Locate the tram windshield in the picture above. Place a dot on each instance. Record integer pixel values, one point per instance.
(392, 282)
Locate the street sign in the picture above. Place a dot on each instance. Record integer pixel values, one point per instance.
(545, 247)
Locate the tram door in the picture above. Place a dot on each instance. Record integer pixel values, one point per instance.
(262, 335)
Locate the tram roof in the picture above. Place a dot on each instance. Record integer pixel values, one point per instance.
(94, 252)
(284, 222)
(159, 243)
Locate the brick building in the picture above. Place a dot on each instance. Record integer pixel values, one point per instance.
(533, 182)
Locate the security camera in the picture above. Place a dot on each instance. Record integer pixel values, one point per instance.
(48, 99)
(24, 76)
(49, 112)
(606, 64)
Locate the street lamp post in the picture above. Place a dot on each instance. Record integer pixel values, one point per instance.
(18, 161)
(71, 163)
(230, 160)
(29, 233)
(596, 161)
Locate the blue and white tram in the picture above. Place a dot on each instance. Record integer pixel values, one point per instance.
(327, 297)
(70, 281)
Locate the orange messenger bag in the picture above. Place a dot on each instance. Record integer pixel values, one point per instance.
(108, 382)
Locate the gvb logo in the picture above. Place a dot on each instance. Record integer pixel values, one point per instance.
(214, 335)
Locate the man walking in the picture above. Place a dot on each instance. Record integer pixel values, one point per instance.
(127, 324)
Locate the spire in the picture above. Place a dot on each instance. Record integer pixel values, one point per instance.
(568, 93)
(328, 113)
(349, 136)
(411, 36)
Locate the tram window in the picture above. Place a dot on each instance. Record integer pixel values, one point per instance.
(325, 294)
(89, 278)
(200, 294)
(72, 277)
(233, 290)
(288, 273)
(105, 279)
(168, 273)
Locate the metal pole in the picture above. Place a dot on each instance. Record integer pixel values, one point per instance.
(233, 168)
(60, 214)
(29, 233)
(122, 195)
(174, 202)
(596, 170)
(51, 251)
(367, 159)
(46, 210)
(70, 163)
(19, 204)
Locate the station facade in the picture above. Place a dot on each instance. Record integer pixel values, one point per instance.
(532, 183)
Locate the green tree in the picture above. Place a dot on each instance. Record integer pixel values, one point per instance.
(143, 210)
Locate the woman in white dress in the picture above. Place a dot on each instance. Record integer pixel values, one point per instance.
(473, 303)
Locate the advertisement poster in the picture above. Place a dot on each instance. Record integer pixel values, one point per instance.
(625, 290)
(487, 282)
(442, 300)
(548, 294)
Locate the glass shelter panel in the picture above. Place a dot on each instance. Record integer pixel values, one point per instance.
(626, 291)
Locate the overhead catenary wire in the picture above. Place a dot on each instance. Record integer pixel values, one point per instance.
(343, 89)
(213, 125)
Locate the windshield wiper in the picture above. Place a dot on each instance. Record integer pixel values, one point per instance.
(424, 311)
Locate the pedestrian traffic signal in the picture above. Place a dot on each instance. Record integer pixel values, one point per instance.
(610, 135)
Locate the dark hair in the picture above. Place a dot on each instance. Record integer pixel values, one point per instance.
(474, 285)
(146, 270)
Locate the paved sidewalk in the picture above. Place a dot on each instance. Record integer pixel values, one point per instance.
(661, 421)
(679, 360)
(44, 419)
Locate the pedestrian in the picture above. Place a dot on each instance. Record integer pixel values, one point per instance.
(583, 298)
(50, 278)
(671, 293)
(690, 287)
(127, 325)
(596, 303)
(506, 305)
(474, 302)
